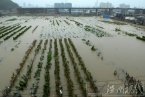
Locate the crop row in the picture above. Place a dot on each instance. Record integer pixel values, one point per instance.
(57, 22)
(3, 27)
(45, 46)
(66, 22)
(131, 34)
(53, 23)
(141, 38)
(83, 66)
(25, 78)
(57, 69)
(70, 86)
(77, 72)
(35, 85)
(46, 87)
(93, 48)
(76, 22)
(17, 36)
(34, 29)
(6, 29)
(124, 32)
(9, 36)
(18, 70)
(70, 48)
(38, 47)
(98, 32)
(9, 31)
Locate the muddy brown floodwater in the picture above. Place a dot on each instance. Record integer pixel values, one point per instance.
(117, 51)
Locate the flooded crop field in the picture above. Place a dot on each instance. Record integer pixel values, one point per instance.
(65, 56)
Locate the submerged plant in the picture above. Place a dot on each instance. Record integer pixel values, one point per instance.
(93, 48)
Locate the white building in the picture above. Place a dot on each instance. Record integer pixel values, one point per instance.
(63, 5)
(106, 5)
(124, 6)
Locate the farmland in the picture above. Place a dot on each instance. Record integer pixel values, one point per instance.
(39, 56)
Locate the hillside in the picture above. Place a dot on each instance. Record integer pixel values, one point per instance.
(7, 4)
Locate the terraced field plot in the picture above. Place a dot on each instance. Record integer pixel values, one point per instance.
(44, 56)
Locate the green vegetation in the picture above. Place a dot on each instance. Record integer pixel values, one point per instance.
(57, 69)
(13, 19)
(93, 48)
(83, 66)
(24, 79)
(37, 73)
(88, 43)
(15, 75)
(114, 22)
(88, 28)
(6, 32)
(131, 34)
(70, 86)
(126, 33)
(2, 28)
(46, 86)
(62, 65)
(57, 22)
(21, 33)
(12, 49)
(97, 32)
(117, 29)
(5, 29)
(34, 29)
(99, 27)
(11, 34)
(135, 85)
(66, 22)
(77, 72)
(38, 47)
(141, 38)
(77, 23)
(53, 23)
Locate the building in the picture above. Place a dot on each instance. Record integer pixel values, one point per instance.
(68, 5)
(63, 5)
(124, 6)
(106, 5)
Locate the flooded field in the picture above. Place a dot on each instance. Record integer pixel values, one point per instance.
(70, 56)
